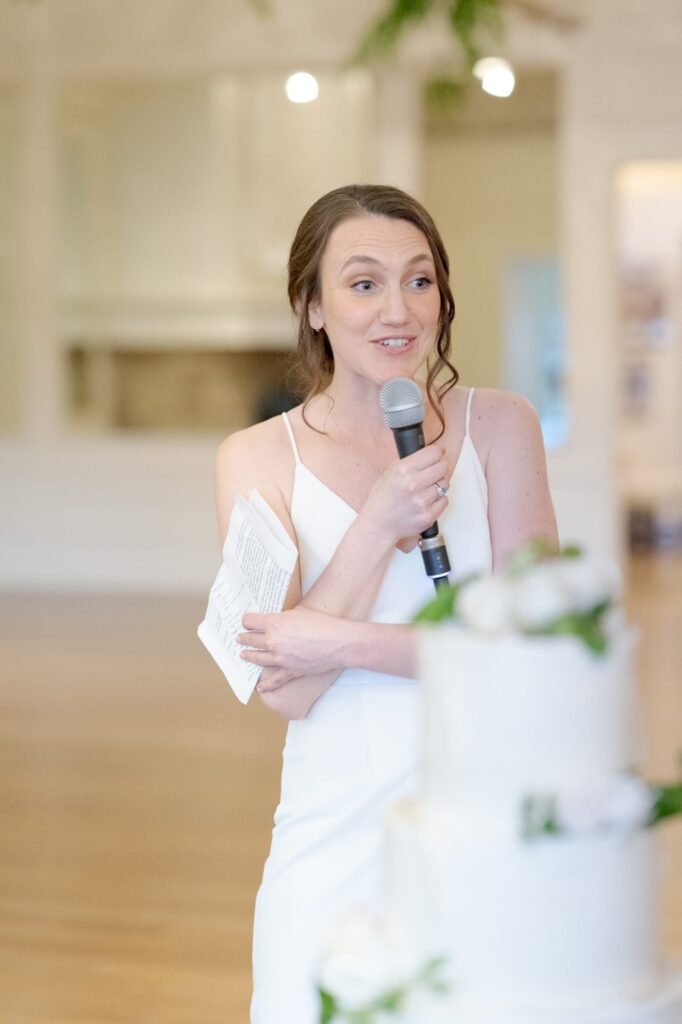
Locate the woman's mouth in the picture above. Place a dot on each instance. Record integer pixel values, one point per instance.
(396, 344)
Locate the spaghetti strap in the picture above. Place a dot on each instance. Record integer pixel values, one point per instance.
(468, 412)
(291, 438)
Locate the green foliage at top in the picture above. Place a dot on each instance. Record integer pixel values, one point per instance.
(464, 19)
(467, 17)
(383, 35)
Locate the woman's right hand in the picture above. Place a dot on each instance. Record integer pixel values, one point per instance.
(404, 501)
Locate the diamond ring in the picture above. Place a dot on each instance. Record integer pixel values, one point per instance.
(442, 491)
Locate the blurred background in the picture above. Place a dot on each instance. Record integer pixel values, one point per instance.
(153, 169)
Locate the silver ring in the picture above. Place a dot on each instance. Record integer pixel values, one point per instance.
(442, 491)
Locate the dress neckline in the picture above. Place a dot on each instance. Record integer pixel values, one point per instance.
(302, 466)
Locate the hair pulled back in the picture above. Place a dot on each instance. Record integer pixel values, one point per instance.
(314, 357)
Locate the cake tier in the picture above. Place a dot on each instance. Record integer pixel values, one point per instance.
(662, 1006)
(506, 716)
(553, 924)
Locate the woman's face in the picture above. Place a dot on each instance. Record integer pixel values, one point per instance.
(379, 300)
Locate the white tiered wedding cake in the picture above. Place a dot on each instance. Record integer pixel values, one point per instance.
(526, 871)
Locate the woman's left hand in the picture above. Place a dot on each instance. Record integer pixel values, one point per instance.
(298, 642)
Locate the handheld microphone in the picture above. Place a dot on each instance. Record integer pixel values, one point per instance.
(402, 407)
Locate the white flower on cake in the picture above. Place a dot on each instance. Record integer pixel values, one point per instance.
(363, 960)
(541, 592)
(582, 810)
(630, 803)
(589, 582)
(485, 604)
(370, 971)
(626, 805)
(540, 596)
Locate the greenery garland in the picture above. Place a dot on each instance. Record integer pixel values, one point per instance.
(465, 20)
(429, 979)
(588, 625)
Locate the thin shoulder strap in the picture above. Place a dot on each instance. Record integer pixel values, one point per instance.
(291, 438)
(468, 413)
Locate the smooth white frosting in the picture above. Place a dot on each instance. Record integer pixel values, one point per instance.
(508, 715)
(552, 923)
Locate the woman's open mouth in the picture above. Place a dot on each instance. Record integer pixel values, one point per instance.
(394, 345)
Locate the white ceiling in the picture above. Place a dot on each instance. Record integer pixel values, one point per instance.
(111, 35)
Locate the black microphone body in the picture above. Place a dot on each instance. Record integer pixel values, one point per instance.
(401, 401)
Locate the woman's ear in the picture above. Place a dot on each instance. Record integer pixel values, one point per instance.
(315, 318)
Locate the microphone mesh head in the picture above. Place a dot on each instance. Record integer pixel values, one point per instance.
(401, 403)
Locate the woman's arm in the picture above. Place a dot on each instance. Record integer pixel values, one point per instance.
(519, 503)
(344, 643)
(400, 504)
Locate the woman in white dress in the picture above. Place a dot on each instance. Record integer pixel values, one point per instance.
(368, 281)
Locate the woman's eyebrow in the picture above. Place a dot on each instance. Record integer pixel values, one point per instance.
(359, 258)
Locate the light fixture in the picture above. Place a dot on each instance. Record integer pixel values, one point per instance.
(302, 87)
(496, 75)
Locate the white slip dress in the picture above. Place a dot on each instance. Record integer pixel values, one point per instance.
(355, 754)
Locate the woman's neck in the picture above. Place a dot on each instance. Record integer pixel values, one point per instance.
(354, 414)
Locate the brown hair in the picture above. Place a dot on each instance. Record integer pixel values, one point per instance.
(314, 357)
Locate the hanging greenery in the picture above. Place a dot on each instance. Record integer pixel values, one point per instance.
(472, 24)
(464, 19)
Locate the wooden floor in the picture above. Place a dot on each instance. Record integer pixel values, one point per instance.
(136, 798)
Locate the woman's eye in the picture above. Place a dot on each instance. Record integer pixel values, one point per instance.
(421, 283)
(363, 286)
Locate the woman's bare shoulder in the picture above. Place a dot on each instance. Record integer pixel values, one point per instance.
(493, 407)
(260, 458)
(255, 450)
(498, 414)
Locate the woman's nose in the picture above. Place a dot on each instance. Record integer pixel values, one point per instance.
(394, 310)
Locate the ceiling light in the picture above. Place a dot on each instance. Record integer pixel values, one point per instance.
(302, 87)
(496, 75)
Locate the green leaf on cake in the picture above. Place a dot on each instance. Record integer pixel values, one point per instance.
(444, 604)
(539, 817)
(327, 1007)
(431, 978)
(391, 1002)
(537, 550)
(586, 625)
(667, 802)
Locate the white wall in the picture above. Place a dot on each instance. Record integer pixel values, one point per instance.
(494, 198)
(649, 239)
(188, 191)
(622, 100)
(9, 345)
(108, 514)
(149, 201)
